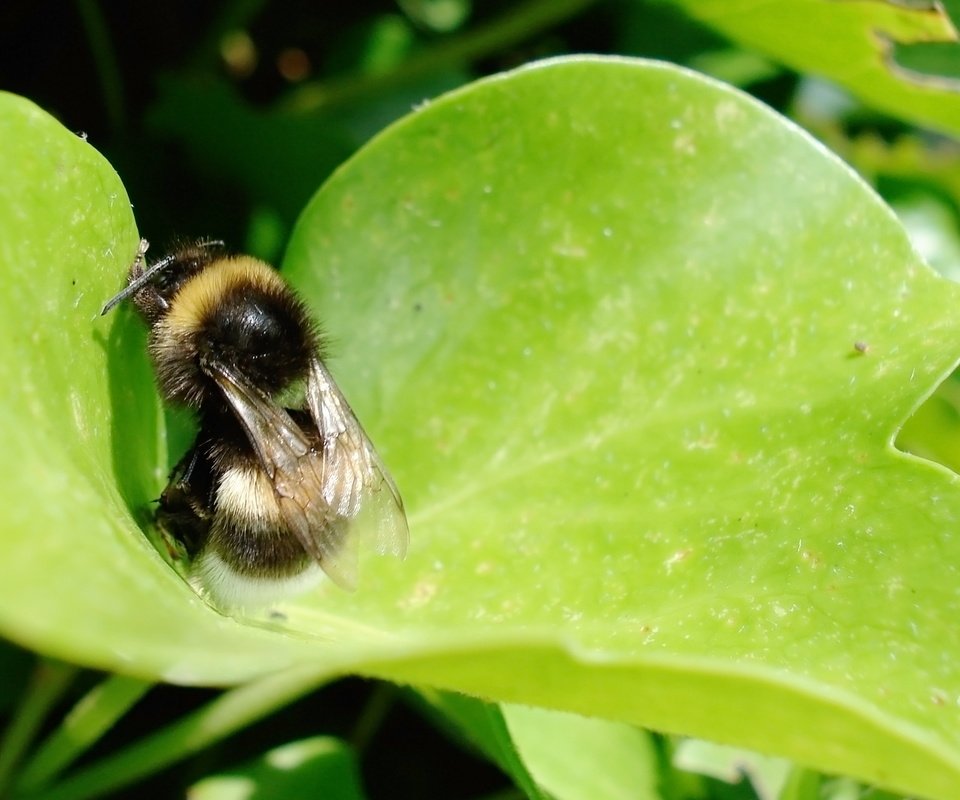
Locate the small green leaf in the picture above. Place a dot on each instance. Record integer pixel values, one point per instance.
(852, 44)
(483, 726)
(802, 784)
(733, 765)
(578, 758)
(317, 767)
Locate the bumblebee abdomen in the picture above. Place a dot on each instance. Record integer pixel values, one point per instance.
(249, 552)
(239, 312)
(248, 530)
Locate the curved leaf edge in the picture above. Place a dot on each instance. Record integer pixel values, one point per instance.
(644, 692)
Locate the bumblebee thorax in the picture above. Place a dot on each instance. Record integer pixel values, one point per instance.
(237, 312)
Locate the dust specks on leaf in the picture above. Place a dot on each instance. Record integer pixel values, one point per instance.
(726, 112)
(423, 592)
(677, 558)
(938, 697)
(685, 144)
(810, 558)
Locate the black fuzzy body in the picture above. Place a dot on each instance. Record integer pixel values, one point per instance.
(238, 312)
(195, 511)
(235, 312)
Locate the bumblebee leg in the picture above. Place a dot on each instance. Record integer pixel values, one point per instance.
(186, 506)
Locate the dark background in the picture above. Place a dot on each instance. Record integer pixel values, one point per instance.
(210, 112)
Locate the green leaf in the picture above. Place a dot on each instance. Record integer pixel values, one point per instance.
(66, 230)
(578, 758)
(932, 60)
(483, 726)
(221, 717)
(317, 767)
(608, 349)
(226, 136)
(80, 431)
(852, 44)
(438, 15)
(934, 431)
(599, 317)
(92, 716)
(15, 665)
(49, 683)
(932, 226)
(569, 756)
(802, 785)
(732, 764)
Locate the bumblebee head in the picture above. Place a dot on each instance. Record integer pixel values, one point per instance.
(236, 312)
(154, 287)
(207, 309)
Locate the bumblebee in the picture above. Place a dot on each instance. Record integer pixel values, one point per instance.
(281, 480)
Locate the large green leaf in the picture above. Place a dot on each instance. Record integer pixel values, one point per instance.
(600, 317)
(610, 352)
(852, 43)
(79, 429)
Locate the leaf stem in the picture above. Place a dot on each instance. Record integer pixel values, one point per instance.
(382, 699)
(521, 23)
(221, 717)
(90, 718)
(49, 681)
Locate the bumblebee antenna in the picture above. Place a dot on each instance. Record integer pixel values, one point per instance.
(147, 275)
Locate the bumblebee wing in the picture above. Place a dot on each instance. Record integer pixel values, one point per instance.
(296, 468)
(354, 479)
